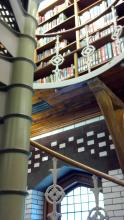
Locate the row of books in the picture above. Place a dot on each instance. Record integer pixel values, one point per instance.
(95, 11)
(43, 64)
(45, 54)
(92, 12)
(49, 52)
(101, 55)
(65, 73)
(101, 34)
(92, 38)
(44, 40)
(97, 25)
(54, 11)
(49, 25)
(96, 36)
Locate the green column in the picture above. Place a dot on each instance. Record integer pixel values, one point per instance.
(17, 123)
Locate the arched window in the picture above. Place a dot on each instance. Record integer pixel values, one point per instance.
(79, 199)
(78, 202)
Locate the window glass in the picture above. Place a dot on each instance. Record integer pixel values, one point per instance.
(64, 217)
(70, 208)
(77, 204)
(85, 206)
(70, 199)
(71, 193)
(91, 205)
(64, 201)
(84, 215)
(71, 216)
(84, 198)
(91, 198)
(77, 199)
(64, 208)
(78, 207)
(77, 191)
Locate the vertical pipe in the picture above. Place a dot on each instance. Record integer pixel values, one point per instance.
(17, 122)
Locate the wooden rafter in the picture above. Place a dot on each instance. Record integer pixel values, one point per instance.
(97, 85)
(107, 100)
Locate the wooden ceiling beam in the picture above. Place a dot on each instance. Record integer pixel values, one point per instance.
(114, 117)
(97, 85)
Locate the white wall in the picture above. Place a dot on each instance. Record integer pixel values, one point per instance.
(34, 205)
(114, 196)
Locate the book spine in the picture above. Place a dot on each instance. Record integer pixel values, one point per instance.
(103, 57)
(106, 52)
(109, 48)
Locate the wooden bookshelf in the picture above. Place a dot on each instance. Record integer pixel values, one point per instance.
(69, 22)
(68, 11)
(71, 47)
(68, 58)
(85, 6)
(73, 12)
(51, 44)
(44, 71)
(119, 20)
(46, 46)
(50, 5)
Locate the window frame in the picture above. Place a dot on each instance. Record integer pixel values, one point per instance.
(79, 202)
(68, 182)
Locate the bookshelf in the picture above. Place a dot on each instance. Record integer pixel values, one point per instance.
(63, 15)
(66, 10)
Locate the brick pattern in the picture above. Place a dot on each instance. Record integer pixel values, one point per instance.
(90, 140)
(114, 196)
(34, 205)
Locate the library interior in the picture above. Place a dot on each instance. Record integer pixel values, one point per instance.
(61, 110)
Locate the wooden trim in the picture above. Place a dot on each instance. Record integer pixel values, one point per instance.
(105, 99)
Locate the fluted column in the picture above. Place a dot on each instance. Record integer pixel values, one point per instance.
(17, 123)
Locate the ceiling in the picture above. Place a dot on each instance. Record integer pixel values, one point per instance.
(56, 108)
